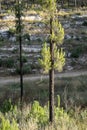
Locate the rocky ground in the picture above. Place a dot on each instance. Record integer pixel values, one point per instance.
(35, 33)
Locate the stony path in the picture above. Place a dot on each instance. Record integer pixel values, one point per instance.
(11, 79)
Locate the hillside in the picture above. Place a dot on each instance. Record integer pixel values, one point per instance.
(36, 31)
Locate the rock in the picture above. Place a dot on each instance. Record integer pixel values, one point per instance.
(67, 37)
(79, 23)
(74, 37)
(32, 18)
(4, 56)
(34, 71)
(34, 37)
(66, 25)
(69, 54)
(41, 25)
(9, 17)
(78, 16)
(33, 49)
(4, 32)
(8, 48)
(69, 68)
(26, 40)
(13, 39)
(82, 60)
(83, 16)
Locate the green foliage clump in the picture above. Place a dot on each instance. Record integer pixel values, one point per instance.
(45, 61)
(49, 4)
(57, 32)
(36, 117)
(26, 69)
(9, 63)
(84, 23)
(7, 106)
(59, 59)
(26, 36)
(5, 124)
(12, 31)
(75, 53)
(39, 113)
(24, 58)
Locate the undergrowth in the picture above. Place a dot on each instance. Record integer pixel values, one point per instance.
(36, 117)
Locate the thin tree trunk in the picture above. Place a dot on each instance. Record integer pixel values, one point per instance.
(51, 78)
(68, 3)
(21, 70)
(0, 6)
(21, 63)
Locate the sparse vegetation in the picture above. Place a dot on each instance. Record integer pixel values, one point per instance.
(26, 69)
(84, 23)
(36, 117)
(70, 109)
(9, 62)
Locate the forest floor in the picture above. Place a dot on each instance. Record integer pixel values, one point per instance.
(71, 86)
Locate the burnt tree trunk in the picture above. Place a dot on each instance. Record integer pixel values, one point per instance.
(21, 66)
(0, 6)
(51, 78)
(20, 47)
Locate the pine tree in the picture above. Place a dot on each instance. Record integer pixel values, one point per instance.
(19, 27)
(53, 58)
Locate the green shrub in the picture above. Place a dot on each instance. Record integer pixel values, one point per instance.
(7, 106)
(75, 53)
(26, 69)
(5, 124)
(12, 31)
(36, 117)
(39, 113)
(26, 36)
(9, 62)
(24, 58)
(84, 23)
(1, 39)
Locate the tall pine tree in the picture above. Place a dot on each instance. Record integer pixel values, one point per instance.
(53, 58)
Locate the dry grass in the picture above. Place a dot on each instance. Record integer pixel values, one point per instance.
(73, 91)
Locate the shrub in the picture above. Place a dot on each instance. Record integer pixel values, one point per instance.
(9, 62)
(36, 117)
(26, 36)
(75, 53)
(24, 58)
(12, 31)
(7, 106)
(84, 23)
(5, 124)
(26, 69)
(39, 113)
